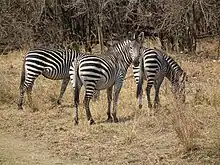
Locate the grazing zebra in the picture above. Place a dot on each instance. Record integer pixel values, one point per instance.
(106, 72)
(52, 64)
(154, 66)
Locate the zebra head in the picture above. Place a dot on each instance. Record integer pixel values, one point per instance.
(179, 86)
(135, 47)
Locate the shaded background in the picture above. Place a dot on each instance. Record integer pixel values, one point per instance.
(61, 23)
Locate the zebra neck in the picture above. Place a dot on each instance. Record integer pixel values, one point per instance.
(124, 68)
(173, 74)
(172, 69)
(122, 54)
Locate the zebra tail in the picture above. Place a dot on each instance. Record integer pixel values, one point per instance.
(22, 76)
(76, 81)
(141, 77)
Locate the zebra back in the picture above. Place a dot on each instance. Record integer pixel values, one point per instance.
(53, 64)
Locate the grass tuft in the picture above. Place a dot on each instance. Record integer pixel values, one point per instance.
(185, 126)
(7, 94)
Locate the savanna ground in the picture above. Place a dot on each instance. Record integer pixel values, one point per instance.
(176, 134)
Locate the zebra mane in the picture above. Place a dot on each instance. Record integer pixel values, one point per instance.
(118, 47)
(171, 63)
(173, 68)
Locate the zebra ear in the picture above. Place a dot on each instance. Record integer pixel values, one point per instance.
(131, 36)
(141, 37)
(183, 77)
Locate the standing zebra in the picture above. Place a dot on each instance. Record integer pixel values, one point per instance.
(52, 64)
(154, 66)
(98, 73)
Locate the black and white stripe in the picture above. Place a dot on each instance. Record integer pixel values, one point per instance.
(104, 72)
(154, 66)
(52, 64)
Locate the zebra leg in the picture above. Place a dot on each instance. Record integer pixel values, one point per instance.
(22, 90)
(148, 89)
(96, 95)
(109, 95)
(115, 104)
(88, 113)
(29, 94)
(63, 89)
(27, 89)
(140, 99)
(157, 90)
(20, 99)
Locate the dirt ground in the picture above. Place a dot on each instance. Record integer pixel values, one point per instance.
(47, 135)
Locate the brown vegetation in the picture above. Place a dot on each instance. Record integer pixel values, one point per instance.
(185, 134)
(179, 24)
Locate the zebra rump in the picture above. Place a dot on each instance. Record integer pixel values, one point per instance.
(52, 64)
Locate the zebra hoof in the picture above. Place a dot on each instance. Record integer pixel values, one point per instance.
(140, 106)
(156, 107)
(109, 120)
(76, 122)
(20, 108)
(116, 120)
(91, 122)
(150, 106)
(58, 102)
(34, 109)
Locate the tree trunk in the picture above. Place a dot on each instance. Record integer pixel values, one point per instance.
(88, 46)
(194, 29)
(100, 34)
(100, 27)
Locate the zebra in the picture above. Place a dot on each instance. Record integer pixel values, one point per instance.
(104, 72)
(154, 66)
(52, 64)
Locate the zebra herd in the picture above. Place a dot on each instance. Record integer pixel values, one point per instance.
(103, 72)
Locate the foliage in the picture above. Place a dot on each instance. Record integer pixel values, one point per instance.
(179, 24)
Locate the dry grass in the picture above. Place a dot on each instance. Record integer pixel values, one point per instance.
(185, 125)
(186, 134)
